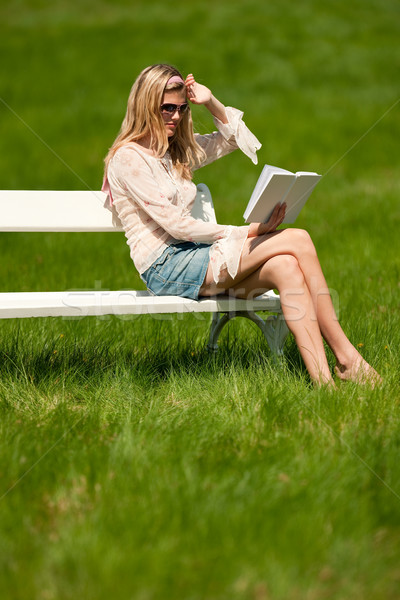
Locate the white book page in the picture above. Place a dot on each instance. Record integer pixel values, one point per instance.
(262, 182)
(302, 173)
(276, 185)
(299, 193)
(274, 193)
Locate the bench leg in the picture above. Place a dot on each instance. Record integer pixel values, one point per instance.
(274, 329)
(276, 334)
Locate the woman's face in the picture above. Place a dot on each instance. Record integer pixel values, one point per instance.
(173, 118)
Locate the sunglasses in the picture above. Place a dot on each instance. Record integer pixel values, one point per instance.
(170, 109)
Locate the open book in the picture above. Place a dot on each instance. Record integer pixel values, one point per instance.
(275, 186)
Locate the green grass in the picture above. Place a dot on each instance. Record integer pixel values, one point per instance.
(132, 463)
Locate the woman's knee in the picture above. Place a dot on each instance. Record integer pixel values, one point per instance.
(284, 269)
(301, 239)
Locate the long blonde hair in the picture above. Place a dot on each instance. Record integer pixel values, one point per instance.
(143, 118)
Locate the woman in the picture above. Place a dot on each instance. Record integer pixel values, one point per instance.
(148, 174)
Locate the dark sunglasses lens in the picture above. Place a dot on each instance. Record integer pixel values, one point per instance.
(169, 108)
(172, 108)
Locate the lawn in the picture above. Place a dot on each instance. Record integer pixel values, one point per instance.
(132, 463)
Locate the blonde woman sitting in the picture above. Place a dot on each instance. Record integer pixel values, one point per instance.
(148, 177)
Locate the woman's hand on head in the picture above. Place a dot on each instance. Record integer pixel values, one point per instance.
(196, 92)
(200, 94)
(276, 219)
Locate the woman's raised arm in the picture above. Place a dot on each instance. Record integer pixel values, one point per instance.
(200, 94)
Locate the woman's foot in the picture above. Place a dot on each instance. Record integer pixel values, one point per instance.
(325, 382)
(358, 371)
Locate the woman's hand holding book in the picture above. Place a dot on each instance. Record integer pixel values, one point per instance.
(276, 219)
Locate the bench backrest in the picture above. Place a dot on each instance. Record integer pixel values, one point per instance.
(36, 210)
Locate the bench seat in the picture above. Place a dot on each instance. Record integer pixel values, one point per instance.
(77, 303)
(51, 211)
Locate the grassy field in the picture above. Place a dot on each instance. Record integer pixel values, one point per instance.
(133, 465)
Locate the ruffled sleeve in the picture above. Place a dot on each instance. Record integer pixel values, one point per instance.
(236, 127)
(226, 253)
(230, 136)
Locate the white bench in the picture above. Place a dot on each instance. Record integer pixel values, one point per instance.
(52, 211)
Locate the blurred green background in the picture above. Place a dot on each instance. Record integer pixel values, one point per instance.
(311, 77)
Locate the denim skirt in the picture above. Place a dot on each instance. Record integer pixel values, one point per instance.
(179, 271)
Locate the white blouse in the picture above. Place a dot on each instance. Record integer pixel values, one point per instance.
(154, 203)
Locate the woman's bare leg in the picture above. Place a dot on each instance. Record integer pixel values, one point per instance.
(349, 363)
(297, 243)
(283, 272)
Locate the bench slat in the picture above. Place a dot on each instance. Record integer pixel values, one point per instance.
(123, 302)
(45, 210)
